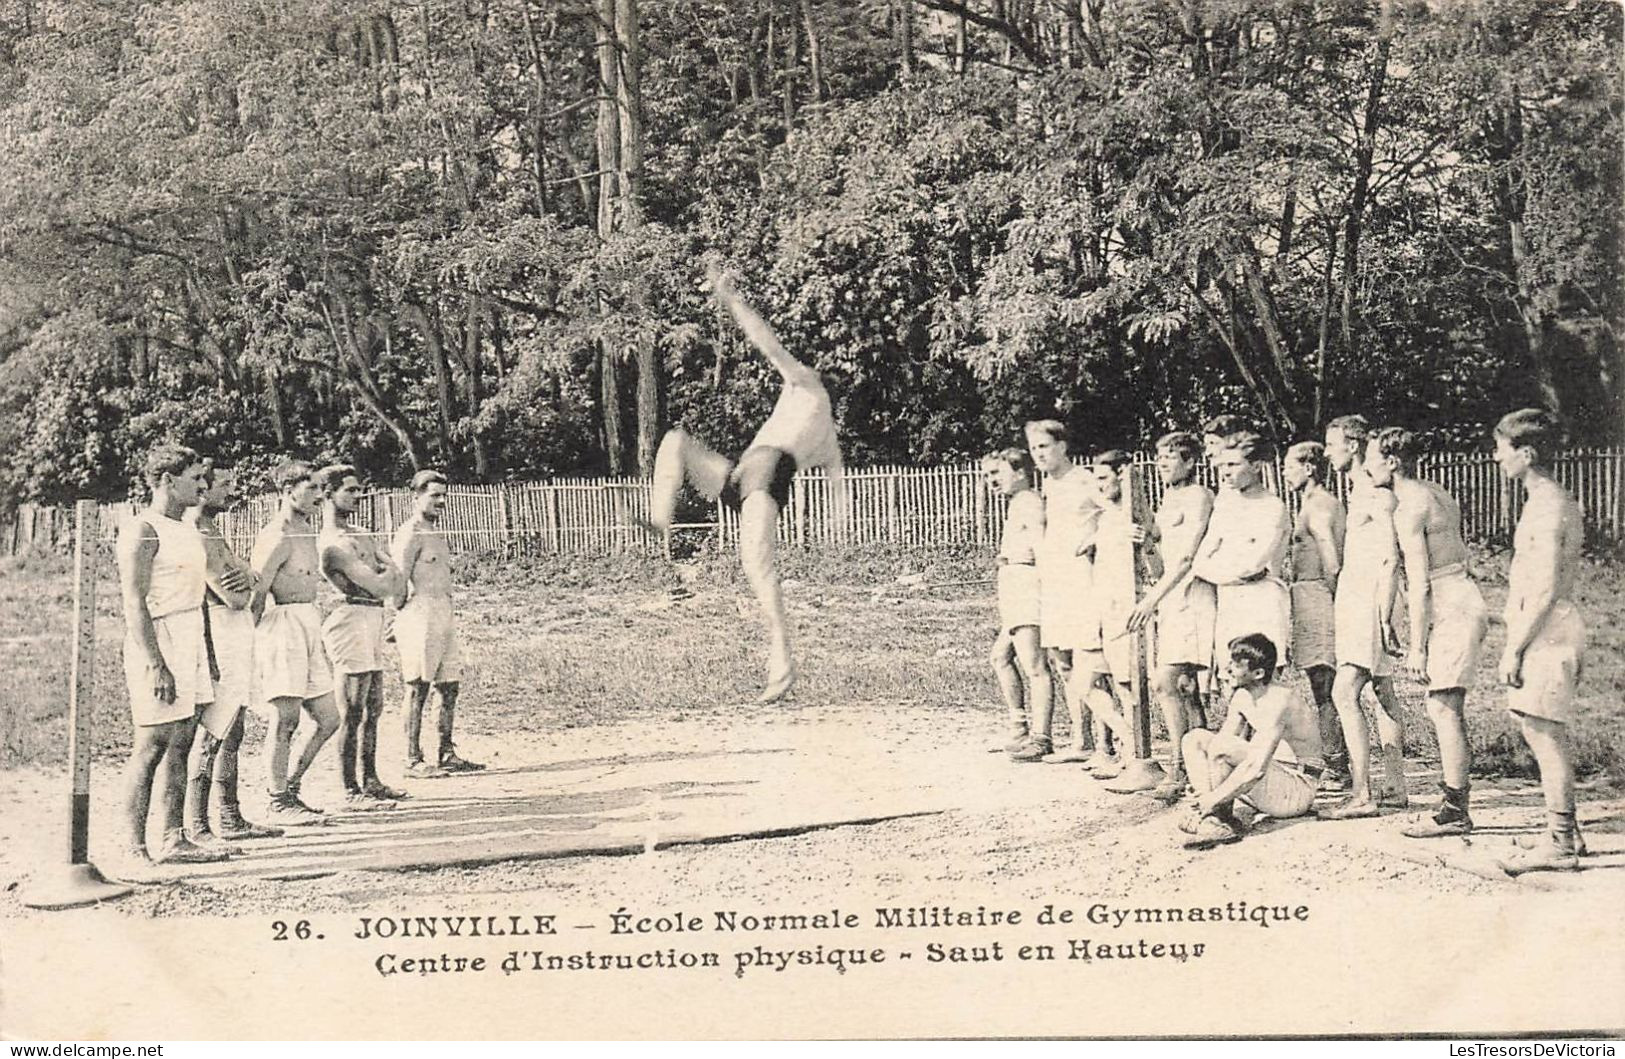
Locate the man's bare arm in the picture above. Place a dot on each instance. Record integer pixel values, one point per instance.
(137, 547)
(1410, 526)
(337, 556)
(1269, 728)
(1542, 560)
(263, 577)
(1323, 531)
(761, 335)
(1175, 569)
(405, 553)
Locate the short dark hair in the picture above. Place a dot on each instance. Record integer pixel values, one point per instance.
(1355, 427)
(289, 473)
(423, 479)
(1018, 459)
(166, 459)
(1256, 651)
(1116, 459)
(1183, 442)
(1312, 454)
(1253, 448)
(1224, 425)
(329, 478)
(1399, 443)
(1533, 428)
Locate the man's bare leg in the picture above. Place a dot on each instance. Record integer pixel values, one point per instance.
(681, 457)
(1445, 708)
(224, 794)
(373, 712)
(177, 849)
(1040, 685)
(758, 528)
(1346, 697)
(146, 753)
(285, 806)
(1209, 758)
(1321, 681)
(1391, 731)
(326, 717)
(1014, 693)
(199, 782)
(1056, 669)
(1105, 706)
(1174, 687)
(1549, 742)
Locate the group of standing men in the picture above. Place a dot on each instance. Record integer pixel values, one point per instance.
(208, 634)
(1241, 589)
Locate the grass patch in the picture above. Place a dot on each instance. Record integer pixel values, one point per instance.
(562, 642)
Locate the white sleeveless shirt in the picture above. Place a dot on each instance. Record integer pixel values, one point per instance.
(179, 570)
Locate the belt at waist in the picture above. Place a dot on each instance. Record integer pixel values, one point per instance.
(1311, 580)
(1313, 772)
(1016, 562)
(1452, 570)
(362, 601)
(177, 613)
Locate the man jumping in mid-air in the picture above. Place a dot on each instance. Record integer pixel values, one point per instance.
(800, 433)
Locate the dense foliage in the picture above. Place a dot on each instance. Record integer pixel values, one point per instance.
(469, 233)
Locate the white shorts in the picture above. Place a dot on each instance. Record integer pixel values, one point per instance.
(1064, 615)
(289, 660)
(353, 636)
(1185, 619)
(426, 633)
(1360, 621)
(1551, 666)
(233, 635)
(180, 642)
(1254, 606)
(1018, 596)
(1282, 792)
(1460, 620)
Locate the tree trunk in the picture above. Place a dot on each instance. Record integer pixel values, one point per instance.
(815, 55)
(435, 349)
(1511, 196)
(1364, 152)
(905, 35)
(629, 96)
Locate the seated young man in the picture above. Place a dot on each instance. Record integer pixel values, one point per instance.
(1275, 770)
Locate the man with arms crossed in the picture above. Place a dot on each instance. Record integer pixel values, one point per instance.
(1275, 770)
(353, 633)
(798, 434)
(1545, 633)
(162, 572)
(425, 628)
(212, 778)
(1448, 617)
(1361, 611)
(1016, 653)
(1313, 560)
(1245, 549)
(1183, 605)
(289, 660)
(1064, 583)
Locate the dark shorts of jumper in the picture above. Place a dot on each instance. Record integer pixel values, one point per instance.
(760, 469)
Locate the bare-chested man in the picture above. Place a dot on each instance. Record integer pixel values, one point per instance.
(798, 434)
(1362, 610)
(1448, 618)
(162, 574)
(1313, 560)
(212, 779)
(1110, 684)
(1545, 632)
(1244, 549)
(353, 633)
(426, 629)
(1275, 770)
(291, 665)
(1065, 575)
(1016, 654)
(1184, 605)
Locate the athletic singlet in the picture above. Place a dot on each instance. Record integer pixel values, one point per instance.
(1070, 513)
(179, 570)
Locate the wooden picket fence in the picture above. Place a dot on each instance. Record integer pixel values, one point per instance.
(912, 506)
